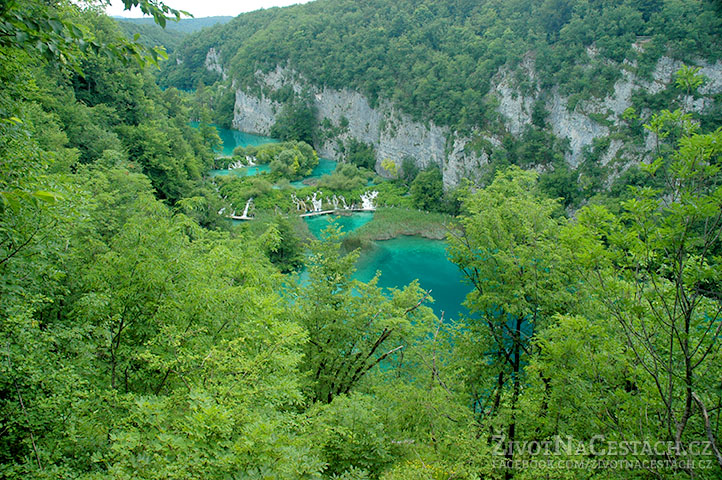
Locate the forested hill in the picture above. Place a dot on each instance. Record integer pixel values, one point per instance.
(184, 25)
(169, 37)
(438, 59)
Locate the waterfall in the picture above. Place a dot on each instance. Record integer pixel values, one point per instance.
(249, 162)
(317, 203)
(245, 210)
(367, 200)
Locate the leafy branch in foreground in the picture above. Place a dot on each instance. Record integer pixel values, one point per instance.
(51, 30)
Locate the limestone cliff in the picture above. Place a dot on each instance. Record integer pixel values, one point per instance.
(395, 135)
(577, 125)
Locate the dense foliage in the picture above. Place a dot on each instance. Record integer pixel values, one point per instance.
(151, 35)
(291, 160)
(436, 59)
(143, 338)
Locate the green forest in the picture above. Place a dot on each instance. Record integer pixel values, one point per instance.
(437, 59)
(143, 335)
(152, 34)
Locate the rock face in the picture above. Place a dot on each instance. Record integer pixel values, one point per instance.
(578, 126)
(253, 114)
(213, 63)
(394, 135)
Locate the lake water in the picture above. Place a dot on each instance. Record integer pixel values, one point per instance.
(348, 223)
(233, 138)
(241, 172)
(401, 260)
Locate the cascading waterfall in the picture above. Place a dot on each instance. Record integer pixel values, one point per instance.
(248, 205)
(314, 203)
(300, 204)
(317, 203)
(249, 162)
(367, 200)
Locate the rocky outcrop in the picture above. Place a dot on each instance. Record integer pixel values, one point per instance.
(394, 135)
(577, 125)
(213, 63)
(254, 114)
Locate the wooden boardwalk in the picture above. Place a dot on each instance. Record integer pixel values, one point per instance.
(331, 212)
(240, 217)
(341, 211)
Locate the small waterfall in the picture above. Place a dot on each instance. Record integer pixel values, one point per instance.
(300, 204)
(233, 166)
(222, 211)
(317, 203)
(249, 162)
(248, 205)
(367, 200)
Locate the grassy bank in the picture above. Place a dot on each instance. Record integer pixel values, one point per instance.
(393, 222)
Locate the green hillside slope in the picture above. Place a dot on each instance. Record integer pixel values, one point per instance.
(153, 35)
(436, 59)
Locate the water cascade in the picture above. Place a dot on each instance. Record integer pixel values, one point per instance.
(317, 203)
(367, 200)
(249, 162)
(300, 204)
(314, 204)
(245, 210)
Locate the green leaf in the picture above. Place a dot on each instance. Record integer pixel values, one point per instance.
(49, 197)
(651, 168)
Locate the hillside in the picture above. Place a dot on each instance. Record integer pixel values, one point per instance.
(184, 25)
(153, 35)
(446, 82)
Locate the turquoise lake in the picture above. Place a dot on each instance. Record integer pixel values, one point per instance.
(400, 260)
(348, 223)
(233, 138)
(241, 172)
(403, 259)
